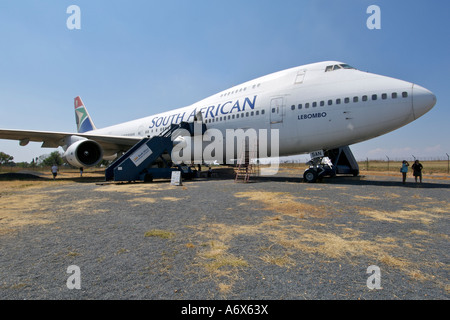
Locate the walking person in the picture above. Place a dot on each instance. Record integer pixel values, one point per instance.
(404, 170)
(417, 170)
(54, 171)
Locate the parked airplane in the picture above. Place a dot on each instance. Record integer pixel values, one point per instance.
(316, 107)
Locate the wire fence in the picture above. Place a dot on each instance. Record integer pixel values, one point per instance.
(407, 158)
(432, 164)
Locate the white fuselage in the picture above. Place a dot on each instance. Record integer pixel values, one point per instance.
(313, 109)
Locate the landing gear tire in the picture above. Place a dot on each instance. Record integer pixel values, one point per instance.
(310, 176)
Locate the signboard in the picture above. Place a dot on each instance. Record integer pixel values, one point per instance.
(176, 178)
(141, 154)
(316, 154)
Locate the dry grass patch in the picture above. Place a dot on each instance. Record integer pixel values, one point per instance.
(392, 195)
(322, 240)
(363, 198)
(224, 288)
(84, 206)
(215, 258)
(133, 202)
(221, 265)
(24, 209)
(420, 232)
(150, 199)
(171, 199)
(135, 188)
(444, 209)
(225, 260)
(25, 203)
(278, 260)
(283, 203)
(163, 234)
(331, 245)
(400, 216)
(398, 263)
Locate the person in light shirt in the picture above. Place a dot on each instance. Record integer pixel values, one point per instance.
(404, 170)
(54, 171)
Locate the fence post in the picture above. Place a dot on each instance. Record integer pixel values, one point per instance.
(448, 163)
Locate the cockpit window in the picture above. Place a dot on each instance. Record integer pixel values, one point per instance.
(346, 66)
(338, 66)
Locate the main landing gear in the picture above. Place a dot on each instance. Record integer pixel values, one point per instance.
(329, 163)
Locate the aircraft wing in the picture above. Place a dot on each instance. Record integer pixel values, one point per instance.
(52, 139)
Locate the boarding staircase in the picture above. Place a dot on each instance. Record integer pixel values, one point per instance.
(144, 161)
(343, 161)
(246, 166)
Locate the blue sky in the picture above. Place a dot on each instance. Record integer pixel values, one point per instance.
(131, 59)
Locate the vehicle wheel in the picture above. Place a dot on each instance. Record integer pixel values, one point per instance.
(148, 178)
(310, 176)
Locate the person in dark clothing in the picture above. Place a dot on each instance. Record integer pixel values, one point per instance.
(417, 170)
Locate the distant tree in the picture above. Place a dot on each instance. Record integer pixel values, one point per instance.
(53, 158)
(22, 164)
(5, 158)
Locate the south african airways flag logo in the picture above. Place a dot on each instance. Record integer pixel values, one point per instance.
(84, 122)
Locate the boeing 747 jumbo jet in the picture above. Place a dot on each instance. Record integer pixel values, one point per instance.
(314, 108)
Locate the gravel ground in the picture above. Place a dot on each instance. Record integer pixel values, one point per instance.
(272, 238)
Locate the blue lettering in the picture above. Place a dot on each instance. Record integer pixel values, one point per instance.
(202, 110)
(179, 119)
(192, 115)
(221, 109)
(213, 111)
(236, 106)
(171, 117)
(250, 103)
(218, 109)
(153, 124)
(165, 121)
(210, 111)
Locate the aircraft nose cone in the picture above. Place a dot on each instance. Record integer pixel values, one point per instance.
(423, 100)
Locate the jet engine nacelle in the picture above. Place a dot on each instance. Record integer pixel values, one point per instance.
(83, 153)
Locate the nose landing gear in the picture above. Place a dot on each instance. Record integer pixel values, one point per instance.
(318, 168)
(330, 163)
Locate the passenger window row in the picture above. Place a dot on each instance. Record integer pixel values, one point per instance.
(346, 100)
(240, 90)
(236, 116)
(223, 118)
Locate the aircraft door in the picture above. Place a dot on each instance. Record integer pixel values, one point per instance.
(276, 111)
(300, 76)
